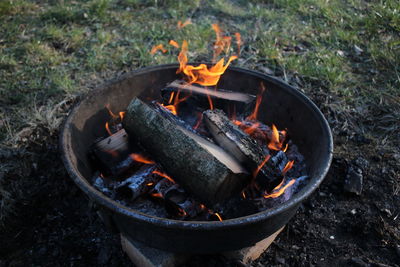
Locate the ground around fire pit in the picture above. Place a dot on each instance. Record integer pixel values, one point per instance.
(342, 54)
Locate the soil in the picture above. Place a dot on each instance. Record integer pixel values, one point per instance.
(52, 223)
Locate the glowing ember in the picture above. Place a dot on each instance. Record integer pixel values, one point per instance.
(158, 47)
(174, 43)
(288, 166)
(163, 175)
(156, 195)
(279, 190)
(140, 158)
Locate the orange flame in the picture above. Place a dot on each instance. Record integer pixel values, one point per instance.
(171, 108)
(201, 74)
(181, 25)
(238, 42)
(174, 43)
(286, 147)
(218, 216)
(155, 48)
(150, 184)
(222, 43)
(171, 98)
(288, 166)
(253, 116)
(210, 102)
(108, 128)
(275, 142)
(255, 173)
(238, 123)
(200, 118)
(279, 190)
(140, 158)
(252, 128)
(122, 115)
(164, 175)
(110, 112)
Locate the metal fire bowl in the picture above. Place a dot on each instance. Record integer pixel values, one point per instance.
(282, 105)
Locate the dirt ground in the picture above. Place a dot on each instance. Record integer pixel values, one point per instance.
(53, 223)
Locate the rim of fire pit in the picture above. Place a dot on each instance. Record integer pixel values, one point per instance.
(297, 198)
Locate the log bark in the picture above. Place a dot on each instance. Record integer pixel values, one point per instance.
(199, 166)
(244, 148)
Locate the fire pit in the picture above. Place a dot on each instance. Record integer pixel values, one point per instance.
(282, 105)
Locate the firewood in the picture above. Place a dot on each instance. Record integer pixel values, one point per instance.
(244, 148)
(222, 99)
(137, 184)
(199, 166)
(111, 154)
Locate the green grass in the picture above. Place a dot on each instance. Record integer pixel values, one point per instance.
(55, 50)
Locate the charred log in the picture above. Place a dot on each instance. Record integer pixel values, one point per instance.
(138, 184)
(202, 168)
(266, 169)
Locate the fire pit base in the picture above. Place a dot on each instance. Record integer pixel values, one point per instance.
(142, 255)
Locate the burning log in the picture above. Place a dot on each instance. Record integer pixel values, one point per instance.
(112, 154)
(114, 158)
(266, 170)
(202, 168)
(138, 184)
(204, 97)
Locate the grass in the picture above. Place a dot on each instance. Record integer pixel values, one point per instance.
(55, 50)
